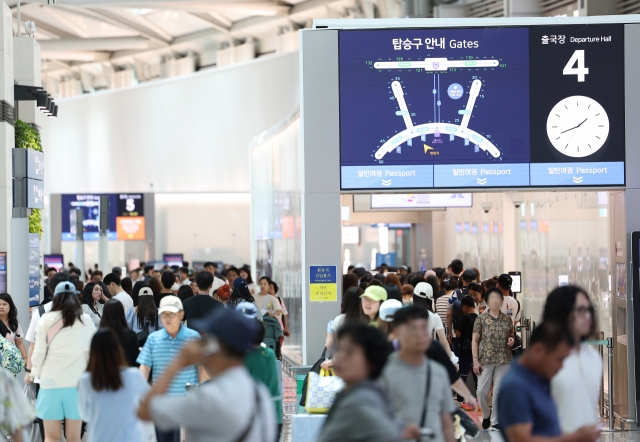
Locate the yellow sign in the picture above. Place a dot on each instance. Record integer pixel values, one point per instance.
(323, 292)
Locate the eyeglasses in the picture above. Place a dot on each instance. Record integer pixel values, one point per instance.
(582, 311)
(168, 315)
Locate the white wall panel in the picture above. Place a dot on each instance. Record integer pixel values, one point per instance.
(186, 134)
(204, 226)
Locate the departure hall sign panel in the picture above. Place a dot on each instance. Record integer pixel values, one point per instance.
(539, 106)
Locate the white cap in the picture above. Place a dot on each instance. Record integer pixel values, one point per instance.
(423, 290)
(145, 291)
(170, 303)
(389, 308)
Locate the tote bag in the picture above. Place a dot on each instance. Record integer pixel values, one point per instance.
(322, 390)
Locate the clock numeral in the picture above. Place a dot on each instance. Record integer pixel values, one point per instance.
(579, 70)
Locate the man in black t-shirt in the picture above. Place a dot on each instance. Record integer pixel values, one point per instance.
(464, 332)
(200, 305)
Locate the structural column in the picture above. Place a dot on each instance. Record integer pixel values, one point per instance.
(26, 71)
(7, 138)
(320, 183)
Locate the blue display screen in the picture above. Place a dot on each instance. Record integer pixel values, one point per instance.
(456, 108)
(90, 205)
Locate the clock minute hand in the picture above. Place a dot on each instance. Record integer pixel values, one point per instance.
(575, 126)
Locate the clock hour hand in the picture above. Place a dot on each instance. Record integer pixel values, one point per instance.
(575, 126)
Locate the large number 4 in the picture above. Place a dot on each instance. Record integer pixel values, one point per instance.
(580, 70)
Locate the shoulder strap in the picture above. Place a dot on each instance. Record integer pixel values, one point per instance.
(53, 331)
(423, 419)
(41, 310)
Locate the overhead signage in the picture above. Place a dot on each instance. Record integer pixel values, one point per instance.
(539, 106)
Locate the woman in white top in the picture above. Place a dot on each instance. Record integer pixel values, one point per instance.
(576, 387)
(267, 304)
(9, 316)
(91, 296)
(60, 355)
(351, 311)
(246, 274)
(423, 297)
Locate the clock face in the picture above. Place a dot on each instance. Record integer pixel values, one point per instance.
(577, 126)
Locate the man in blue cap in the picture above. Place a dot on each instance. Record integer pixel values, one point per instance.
(229, 407)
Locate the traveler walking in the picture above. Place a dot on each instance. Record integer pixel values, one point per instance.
(476, 291)
(109, 392)
(200, 305)
(144, 316)
(168, 279)
(9, 317)
(232, 274)
(91, 306)
(576, 387)
(362, 411)
(114, 285)
(240, 292)
(510, 306)
(266, 303)
(231, 406)
(351, 311)
(16, 411)
(526, 408)
(63, 338)
(114, 319)
(371, 299)
(464, 333)
(493, 337)
(423, 297)
(449, 285)
(418, 387)
(245, 272)
(160, 349)
(261, 364)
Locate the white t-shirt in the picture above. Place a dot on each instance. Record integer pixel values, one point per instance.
(435, 322)
(267, 304)
(35, 317)
(511, 308)
(337, 322)
(219, 410)
(125, 299)
(576, 389)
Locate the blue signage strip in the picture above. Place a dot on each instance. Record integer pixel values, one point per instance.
(484, 175)
(577, 174)
(34, 269)
(387, 177)
(323, 274)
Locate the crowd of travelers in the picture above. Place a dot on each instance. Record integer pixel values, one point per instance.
(179, 354)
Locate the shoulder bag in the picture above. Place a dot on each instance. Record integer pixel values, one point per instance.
(144, 333)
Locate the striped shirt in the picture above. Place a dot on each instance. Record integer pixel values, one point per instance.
(161, 349)
(442, 303)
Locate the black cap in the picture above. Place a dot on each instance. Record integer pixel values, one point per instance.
(469, 275)
(505, 281)
(230, 327)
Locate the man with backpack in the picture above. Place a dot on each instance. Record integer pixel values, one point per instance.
(510, 306)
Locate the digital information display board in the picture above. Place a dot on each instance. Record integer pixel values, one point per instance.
(126, 216)
(499, 107)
